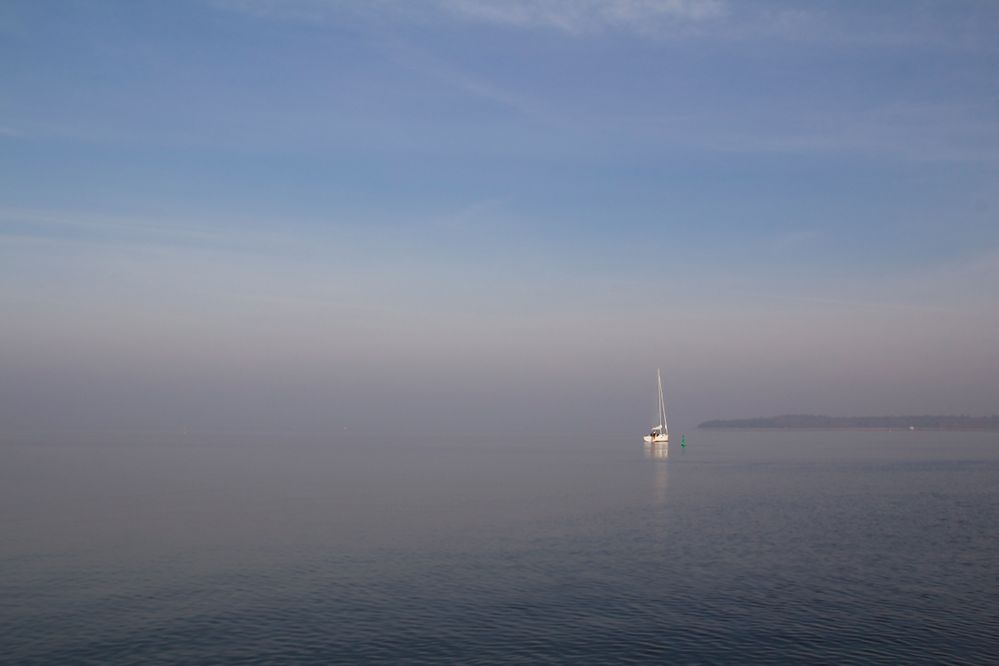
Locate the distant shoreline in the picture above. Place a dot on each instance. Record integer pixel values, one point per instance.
(869, 423)
(847, 428)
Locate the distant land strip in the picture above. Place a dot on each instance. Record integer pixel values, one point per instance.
(816, 422)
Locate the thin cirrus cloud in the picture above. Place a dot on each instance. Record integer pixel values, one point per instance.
(574, 17)
(803, 120)
(888, 24)
(586, 16)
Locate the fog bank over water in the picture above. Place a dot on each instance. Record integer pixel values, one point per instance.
(229, 346)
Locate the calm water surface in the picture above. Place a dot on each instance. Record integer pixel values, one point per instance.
(807, 547)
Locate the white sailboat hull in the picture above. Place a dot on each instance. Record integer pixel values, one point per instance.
(657, 439)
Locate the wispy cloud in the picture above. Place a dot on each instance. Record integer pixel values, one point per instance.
(943, 132)
(585, 16)
(25, 222)
(142, 235)
(473, 216)
(969, 26)
(570, 16)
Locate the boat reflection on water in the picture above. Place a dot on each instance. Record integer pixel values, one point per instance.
(657, 450)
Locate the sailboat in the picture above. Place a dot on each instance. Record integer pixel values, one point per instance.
(660, 433)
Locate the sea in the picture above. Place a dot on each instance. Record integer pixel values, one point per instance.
(740, 547)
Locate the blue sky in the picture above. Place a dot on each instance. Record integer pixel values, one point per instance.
(485, 210)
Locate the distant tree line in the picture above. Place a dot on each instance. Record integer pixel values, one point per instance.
(924, 422)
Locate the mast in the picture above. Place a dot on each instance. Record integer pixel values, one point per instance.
(665, 425)
(663, 428)
(661, 415)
